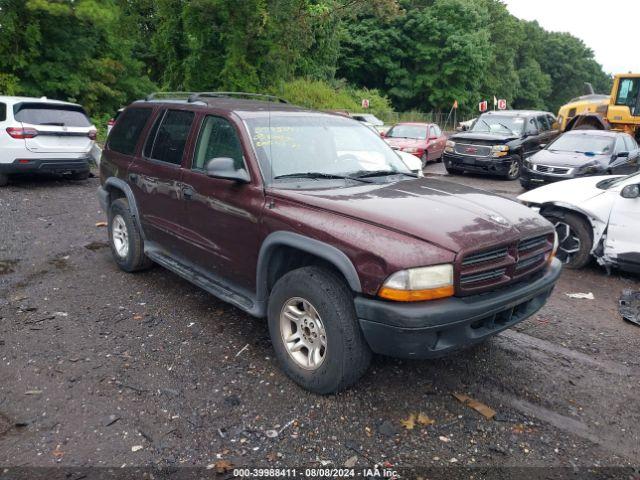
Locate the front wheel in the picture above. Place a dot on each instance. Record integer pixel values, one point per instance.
(452, 170)
(424, 159)
(514, 169)
(574, 239)
(314, 330)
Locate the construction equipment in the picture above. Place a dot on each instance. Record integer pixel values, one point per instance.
(620, 111)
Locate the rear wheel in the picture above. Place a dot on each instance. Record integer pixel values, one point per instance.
(574, 239)
(315, 331)
(125, 240)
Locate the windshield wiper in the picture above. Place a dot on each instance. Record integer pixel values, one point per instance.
(381, 173)
(317, 175)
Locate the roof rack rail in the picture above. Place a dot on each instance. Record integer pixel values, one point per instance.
(176, 95)
(260, 96)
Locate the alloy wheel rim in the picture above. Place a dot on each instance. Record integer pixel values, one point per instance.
(120, 236)
(514, 168)
(303, 333)
(569, 243)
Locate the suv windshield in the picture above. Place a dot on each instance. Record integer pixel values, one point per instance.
(311, 147)
(418, 132)
(499, 124)
(582, 144)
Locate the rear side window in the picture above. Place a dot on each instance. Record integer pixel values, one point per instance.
(3, 112)
(51, 114)
(171, 137)
(124, 136)
(217, 138)
(543, 122)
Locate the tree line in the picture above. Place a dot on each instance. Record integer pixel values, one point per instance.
(415, 54)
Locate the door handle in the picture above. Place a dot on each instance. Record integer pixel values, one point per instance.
(187, 192)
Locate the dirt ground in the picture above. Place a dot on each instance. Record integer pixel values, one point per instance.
(103, 368)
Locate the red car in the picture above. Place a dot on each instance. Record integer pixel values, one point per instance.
(424, 140)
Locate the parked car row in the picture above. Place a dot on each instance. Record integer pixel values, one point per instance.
(526, 145)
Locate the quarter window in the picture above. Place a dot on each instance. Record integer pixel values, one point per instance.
(438, 131)
(171, 137)
(620, 147)
(218, 138)
(630, 143)
(544, 123)
(125, 133)
(3, 112)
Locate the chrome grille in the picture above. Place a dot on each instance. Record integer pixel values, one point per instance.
(495, 267)
(551, 170)
(472, 150)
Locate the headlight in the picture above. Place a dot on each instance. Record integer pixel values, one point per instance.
(449, 146)
(411, 149)
(499, 150)
(419, 284)
(591, 167)
(554, 250)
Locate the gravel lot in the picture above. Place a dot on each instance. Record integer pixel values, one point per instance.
(104, 368)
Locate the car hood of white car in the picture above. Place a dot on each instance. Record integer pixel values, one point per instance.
(572, 192)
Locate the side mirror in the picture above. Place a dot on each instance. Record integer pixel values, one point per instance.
(224, 167)
(630, 191)
(543, 145)
(383, 134)
(622, 154)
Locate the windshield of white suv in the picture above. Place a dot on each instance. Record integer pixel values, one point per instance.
(582, 143)
(311, 147)
(499, 124)
(615, 181)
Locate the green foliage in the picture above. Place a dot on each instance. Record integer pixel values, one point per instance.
(70, 50)
(421, 54)
(320, 95)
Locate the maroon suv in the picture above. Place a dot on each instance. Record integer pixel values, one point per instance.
(313, 221)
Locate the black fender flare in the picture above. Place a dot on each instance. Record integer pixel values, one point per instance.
(119, 184)
(315, 247)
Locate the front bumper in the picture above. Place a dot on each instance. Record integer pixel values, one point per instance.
(49, 165)
(436, 328)
(536, 178)
(488, 165)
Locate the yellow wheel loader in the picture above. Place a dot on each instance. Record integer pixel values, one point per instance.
(620, 111)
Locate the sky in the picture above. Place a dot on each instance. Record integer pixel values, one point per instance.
(609, 28)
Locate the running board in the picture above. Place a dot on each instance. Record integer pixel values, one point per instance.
(206, 283)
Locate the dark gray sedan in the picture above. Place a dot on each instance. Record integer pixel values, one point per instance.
(580, 153)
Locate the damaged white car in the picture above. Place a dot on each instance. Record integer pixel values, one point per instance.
(594, 216)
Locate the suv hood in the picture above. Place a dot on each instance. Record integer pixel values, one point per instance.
(570, 192)
(405, 142)
(449, 215)
(565, 159)
(497, 138)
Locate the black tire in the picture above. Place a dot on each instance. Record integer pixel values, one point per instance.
(439, 159)
(347, 355)
(453, 170)
(135, 259)
(579, 229)
(514, 169)
(4, 179)
(424, 159)
(80, 175)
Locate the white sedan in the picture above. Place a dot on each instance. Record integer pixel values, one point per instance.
(594, 216)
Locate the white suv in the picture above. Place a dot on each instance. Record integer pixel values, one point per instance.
(41, 135)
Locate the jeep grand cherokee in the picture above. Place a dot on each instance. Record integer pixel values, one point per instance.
(310, 220)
